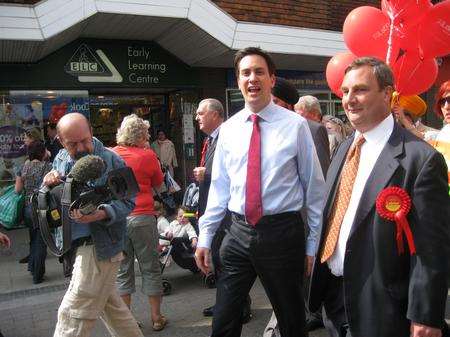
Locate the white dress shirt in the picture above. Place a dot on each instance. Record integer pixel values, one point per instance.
(376, 140)
(290, 171)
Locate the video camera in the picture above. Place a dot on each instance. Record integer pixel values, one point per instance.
(53, 205)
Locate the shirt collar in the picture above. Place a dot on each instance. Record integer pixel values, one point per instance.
(215, 133)
(268, 113)
(380, 133)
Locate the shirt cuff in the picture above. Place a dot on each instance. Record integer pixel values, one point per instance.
(310, 247)
(110, 212)
(204, 240)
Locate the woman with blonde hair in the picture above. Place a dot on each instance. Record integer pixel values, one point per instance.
(142, 232)
(336, 131)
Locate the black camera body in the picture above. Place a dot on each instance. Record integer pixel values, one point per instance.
(120, 184)
(52, 206)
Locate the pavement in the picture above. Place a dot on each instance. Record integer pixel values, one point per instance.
(28, 310)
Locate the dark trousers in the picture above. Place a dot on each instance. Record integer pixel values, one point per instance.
(38, 249)
(274, 251)
(335, 318)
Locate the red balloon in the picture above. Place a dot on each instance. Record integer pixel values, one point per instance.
(434, 31)
(407, 13)
(414, 75)
(366, 32)
(336, 69)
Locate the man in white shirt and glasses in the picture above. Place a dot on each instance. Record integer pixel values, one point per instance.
(265, 171)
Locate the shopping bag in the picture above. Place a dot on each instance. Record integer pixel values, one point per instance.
(171, 184)
(11, 208)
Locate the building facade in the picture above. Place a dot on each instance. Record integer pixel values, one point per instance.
(155, 58)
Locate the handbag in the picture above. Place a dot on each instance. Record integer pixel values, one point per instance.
(11, 208)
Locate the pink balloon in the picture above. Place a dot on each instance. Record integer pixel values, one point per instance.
(366, 32)
(414, 75)
(434, 31)
(336, 69)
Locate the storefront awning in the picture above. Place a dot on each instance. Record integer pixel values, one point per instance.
(197, 32)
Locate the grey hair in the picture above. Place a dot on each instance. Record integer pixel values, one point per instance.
(132, 130)
(214, 105)
(310, 104)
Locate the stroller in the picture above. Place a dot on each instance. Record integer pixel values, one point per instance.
(182, 254)
(180, 248)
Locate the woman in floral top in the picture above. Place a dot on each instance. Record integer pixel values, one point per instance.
(34, 169)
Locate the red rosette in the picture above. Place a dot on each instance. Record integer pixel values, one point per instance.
(393, 203)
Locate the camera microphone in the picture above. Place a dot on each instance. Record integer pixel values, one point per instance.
(87, 168)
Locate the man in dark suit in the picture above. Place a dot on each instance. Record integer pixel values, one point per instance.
(368, 286)
(309, 107)
(210, 115)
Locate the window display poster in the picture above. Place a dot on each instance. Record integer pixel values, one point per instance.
(25, 111)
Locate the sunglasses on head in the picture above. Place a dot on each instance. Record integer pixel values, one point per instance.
(444, 100)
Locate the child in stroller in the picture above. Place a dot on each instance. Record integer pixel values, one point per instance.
(178, 241)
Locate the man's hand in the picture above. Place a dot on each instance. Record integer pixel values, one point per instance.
(420, 330)
(309, 260)
(202, 259)
(194, 243)
(52, 178)
(199, 173)
(4, 240)
(97, 215)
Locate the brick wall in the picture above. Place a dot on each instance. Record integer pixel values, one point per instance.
(24, 2)
(318, 14)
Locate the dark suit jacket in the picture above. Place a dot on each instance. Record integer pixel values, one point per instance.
(204, 185)
(320, 138)
(383, 290)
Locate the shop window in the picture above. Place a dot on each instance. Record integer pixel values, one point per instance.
(27, 109)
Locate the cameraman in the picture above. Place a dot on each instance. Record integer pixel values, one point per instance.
(98, 239)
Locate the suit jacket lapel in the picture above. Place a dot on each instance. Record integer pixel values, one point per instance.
(211, 149)
(382, 172)
(334, 173)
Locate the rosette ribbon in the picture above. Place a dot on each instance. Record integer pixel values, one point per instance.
(394, 204)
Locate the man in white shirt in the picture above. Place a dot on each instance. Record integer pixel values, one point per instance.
(373, 284)
(265, 170)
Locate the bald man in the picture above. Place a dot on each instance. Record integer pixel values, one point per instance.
(97, 240)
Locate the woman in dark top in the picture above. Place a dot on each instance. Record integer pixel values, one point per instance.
(34, 169)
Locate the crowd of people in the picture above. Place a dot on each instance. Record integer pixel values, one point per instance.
(344, 223)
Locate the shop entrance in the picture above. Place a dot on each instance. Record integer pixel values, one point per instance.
(171, 111)
(108, 111)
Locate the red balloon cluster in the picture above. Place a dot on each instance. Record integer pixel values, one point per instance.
(407, 34)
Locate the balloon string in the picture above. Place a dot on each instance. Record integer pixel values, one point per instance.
(389, 49)
(411, 74)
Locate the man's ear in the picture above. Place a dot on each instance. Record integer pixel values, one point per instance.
(388, 94)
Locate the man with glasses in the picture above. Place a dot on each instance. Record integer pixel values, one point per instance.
(98, 241)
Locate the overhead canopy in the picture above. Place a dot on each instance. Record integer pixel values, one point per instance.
(197, 32)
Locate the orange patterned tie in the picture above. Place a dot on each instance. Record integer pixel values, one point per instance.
(342, 198)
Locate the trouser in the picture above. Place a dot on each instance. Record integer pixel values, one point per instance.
(274, 251)
(92, 294)
(272, 329)
(141, 242)
(334, 317)
(38, 248)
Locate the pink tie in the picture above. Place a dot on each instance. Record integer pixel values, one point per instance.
(253, 201)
